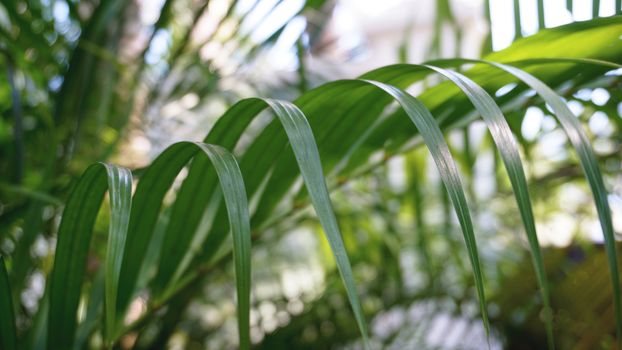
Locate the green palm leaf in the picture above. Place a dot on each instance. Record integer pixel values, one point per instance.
(433, 138)
(332, 129)
(147, 202)
(303, 145)
(587, 158)
(79, 217)
(74, 236)
(506, 144)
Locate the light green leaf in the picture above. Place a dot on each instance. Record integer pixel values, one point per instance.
(74, 236)
(120, 185)
(305, 150)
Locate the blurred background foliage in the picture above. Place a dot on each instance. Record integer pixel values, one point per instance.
(84, 81)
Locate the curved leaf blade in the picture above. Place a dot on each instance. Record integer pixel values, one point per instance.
(74, 236)
(120, 185)
(300, 137)
(148, 200)
(589, 164)
(234, 193)
(193, 197)
(433, 138)
(146, 205)
(307, 155)
(508, 149)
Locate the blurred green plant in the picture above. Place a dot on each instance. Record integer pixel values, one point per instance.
(161, 248)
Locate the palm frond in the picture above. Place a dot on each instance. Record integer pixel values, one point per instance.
(327, 137)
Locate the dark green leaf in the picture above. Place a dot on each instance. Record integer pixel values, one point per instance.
(7, 318)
